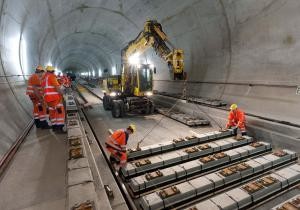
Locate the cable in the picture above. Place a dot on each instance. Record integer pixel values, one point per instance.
(156, 124)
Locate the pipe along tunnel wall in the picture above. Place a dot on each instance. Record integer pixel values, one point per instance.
(251, 42)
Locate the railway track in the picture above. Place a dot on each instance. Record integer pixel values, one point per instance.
(206, 171)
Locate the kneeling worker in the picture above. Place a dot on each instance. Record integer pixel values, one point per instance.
(236, 120)
(116, 145)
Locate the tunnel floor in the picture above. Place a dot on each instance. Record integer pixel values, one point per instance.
(36, 177)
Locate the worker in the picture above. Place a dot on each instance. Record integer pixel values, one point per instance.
(35, 93)
(236, 121)
(116, 145)
(60, 78)
(53, 96)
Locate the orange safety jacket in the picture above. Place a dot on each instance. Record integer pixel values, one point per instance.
(34, 81)
(49, 85)
(236, 118)
(117, 141)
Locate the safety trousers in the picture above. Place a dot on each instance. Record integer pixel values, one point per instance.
(118, 155)
(56, 113)
(39, 113)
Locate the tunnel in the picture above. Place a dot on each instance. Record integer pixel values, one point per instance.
(238, 51)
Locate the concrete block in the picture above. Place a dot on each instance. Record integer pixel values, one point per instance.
(224, 202)
(256, 166)
(137, 183)
(232, 154)
(206, 205)
(81, 193)
(78, 176)
(186, 191)
(216, 179)
(242, 198)
(284, 181)
(295, 167)
(223, 144)
(291, 175)
(243, 152)
(156, 162)
(264, 162)
(151, 202)
(202, 185)
(191, 167)
(78, 163)
(214, 147)
(170, 158)
(74, 133)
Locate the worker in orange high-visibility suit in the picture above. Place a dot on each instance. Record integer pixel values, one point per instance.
(237, 120)
(116, 145)
(53, 96)
(35, 93)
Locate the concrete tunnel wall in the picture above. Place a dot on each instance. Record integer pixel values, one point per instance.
(243, 41)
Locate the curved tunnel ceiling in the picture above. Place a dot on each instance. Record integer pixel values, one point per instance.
(253, 43)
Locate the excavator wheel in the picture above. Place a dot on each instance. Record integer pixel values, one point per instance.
(116, 109)
(122, 108)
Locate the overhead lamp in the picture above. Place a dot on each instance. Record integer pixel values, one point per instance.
(134, 59)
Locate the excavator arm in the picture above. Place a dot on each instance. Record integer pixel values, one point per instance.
(153, 36)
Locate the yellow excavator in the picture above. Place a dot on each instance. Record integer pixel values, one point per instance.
(135, 84)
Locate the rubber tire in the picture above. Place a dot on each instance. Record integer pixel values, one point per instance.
(122, 108)
(116, 109)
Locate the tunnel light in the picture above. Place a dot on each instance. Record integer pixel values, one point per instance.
(113, 70)
(49, 64)
(149, 93)
(93, 73)
(151, 66)
(100, 73)
(24, 57)
(113, 94)
(134, 59)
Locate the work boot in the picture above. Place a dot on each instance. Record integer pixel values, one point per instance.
(239, 137)
(44, 125)
(60, 129)
(37, 123)
(112, 159)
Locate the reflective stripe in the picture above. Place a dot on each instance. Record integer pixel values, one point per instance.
(113, 146)
(51, 93)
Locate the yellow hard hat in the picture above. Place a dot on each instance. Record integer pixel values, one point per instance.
(233, 107)
(132, 127)
(50, 68)
(40, 68)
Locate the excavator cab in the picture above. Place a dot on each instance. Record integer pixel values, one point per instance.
(144, 83)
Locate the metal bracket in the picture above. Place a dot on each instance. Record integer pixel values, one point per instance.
(87, 205)
(191, 150)
(227, 172)
(267, 181)
(190, 137)
(242, 166)
(280, 153)
(153, 175)
(204, 146)
(72, 122)
(109, 191)
(76, 153)
(220, 155)
(256, 144)
(206, 159)
(168, 192)
(75, 142)
(142, 162)
(178, 140)
(253, 187)
(134, 150)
